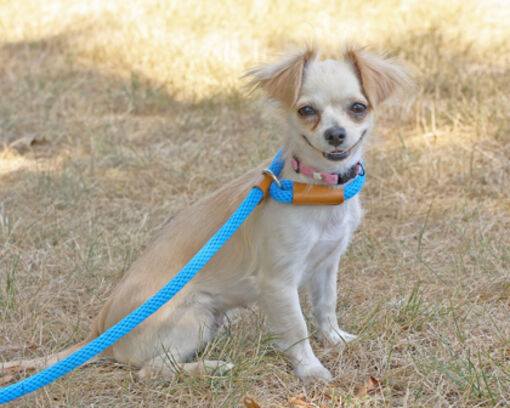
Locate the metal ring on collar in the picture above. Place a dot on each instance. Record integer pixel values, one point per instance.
(270, 173)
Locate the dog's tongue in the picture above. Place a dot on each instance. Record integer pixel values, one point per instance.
(337, 151)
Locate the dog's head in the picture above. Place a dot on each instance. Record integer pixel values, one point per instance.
(329, 104)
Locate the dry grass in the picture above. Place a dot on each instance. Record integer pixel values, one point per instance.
(114, 115)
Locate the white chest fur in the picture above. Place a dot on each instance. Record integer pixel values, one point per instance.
(295, 240)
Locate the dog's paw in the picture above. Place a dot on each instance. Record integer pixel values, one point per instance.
(209, 367)
(217, 367)
(337, 337)
(310, 373)
(148, 373)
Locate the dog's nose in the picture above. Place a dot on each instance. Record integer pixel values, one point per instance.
(335, 136)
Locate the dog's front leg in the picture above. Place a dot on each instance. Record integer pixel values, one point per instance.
(280, 302)
(322, 294)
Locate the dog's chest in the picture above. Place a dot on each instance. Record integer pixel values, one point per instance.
(313, 232)
(331, 228)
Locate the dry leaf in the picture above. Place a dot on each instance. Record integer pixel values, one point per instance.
(298, 402)
(6, 379)
(15, 347)
(17, 369)
(250, 403)
(37, 141)
(371, 385)
(25, 143)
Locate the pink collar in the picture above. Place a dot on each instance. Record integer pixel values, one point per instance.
(330, 178)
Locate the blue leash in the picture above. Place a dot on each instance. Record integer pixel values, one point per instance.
(136, 317)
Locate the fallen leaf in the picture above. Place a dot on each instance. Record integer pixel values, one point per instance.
(17, 369)
(250, 403)
(6, 379)
(15, 347)
(371, 385)
(298, 402)
(25, 143)
(37, 141)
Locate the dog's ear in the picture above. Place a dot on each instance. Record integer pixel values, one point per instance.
(282, 80)
(380, 77)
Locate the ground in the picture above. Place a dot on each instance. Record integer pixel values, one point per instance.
(115, 115)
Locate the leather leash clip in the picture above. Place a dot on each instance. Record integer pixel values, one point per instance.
(265, 182)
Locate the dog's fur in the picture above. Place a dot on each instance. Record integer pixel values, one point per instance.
(279, 250)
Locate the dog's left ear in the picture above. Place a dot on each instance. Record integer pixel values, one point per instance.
(282, 80)
(380, 77)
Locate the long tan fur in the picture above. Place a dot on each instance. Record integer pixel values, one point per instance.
(282, 80)
(180, 239)
(380, 76)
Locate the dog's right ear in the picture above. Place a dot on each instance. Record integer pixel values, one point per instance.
(282, 80)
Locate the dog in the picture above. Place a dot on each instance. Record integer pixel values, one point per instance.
(328, 109)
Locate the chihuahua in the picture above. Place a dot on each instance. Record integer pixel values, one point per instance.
(328, 109)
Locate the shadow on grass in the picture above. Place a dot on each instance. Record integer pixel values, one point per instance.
(55, 106)
(44, 84)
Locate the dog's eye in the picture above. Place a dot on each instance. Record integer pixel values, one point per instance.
(358, 108)
(306, 111)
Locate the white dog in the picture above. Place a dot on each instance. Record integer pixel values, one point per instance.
(328, 108)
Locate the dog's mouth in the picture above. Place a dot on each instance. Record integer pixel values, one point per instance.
(336, 154)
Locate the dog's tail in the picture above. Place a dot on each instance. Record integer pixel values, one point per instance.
(11, 368)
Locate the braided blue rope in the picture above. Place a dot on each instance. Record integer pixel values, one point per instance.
(354, 187)
(136, 317)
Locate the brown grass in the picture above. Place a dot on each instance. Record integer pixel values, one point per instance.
(114, 115)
